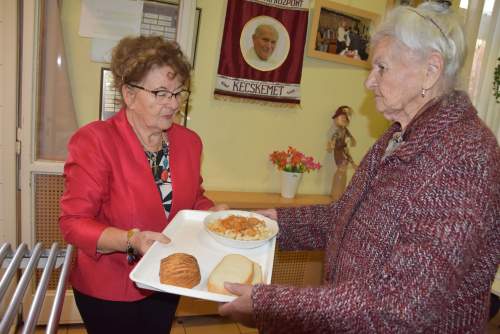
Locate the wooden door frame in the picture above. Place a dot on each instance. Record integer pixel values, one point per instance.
(9, 86)
(28, 108)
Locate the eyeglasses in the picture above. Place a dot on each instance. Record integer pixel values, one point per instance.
(163, 95)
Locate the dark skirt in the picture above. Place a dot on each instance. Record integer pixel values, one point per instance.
(153, 314)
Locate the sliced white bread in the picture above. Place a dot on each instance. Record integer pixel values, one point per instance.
(233, 268)
(257, 274)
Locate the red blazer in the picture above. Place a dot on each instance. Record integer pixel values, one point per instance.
(108, 182)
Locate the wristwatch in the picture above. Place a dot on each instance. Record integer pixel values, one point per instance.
(131, 252)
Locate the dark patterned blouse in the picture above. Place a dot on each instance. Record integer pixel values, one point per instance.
(160, 167)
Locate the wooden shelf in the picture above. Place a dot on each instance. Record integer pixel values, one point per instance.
(254, 200)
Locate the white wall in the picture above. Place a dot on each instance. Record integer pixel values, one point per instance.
(8, 88)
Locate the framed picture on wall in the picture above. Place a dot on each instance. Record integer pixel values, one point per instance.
(341, 33)
(162, 18)
(110, 100)
(394, 3)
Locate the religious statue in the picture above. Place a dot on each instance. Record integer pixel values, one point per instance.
(338, 145)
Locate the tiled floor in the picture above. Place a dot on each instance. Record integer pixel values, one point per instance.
(494, 325)
(218, 325)
(187, 325)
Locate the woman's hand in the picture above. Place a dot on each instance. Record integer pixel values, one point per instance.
(240, 309)
(142, 240)
(219, 207)
(269, 213)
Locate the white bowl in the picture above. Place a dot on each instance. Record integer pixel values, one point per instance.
(234, 243)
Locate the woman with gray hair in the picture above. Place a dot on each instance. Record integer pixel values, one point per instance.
(413, 244)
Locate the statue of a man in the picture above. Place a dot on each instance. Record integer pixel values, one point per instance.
(338, 145)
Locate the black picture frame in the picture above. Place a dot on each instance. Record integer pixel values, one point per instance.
(110, 98)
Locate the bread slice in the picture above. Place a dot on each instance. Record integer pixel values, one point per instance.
(180, 269)
(257, 274)
(233, 268)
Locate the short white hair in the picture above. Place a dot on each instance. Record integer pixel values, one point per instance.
(432, 26)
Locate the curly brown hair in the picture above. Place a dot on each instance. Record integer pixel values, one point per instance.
(134, 57)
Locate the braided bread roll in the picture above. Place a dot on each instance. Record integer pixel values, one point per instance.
(180, 269)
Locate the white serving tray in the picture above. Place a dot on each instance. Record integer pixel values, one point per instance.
(188, 235)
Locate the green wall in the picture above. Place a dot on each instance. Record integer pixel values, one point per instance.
(238, 137)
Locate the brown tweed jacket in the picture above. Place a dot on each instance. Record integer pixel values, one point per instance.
(413, 244)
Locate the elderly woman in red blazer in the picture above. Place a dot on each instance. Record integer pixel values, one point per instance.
(413, 244)
(125, 179)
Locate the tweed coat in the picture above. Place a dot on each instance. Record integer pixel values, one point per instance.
(413, 244)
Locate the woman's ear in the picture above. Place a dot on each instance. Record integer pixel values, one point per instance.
(434, 70)
(128, 95)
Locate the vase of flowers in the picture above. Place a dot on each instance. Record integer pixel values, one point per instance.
(289, 183)
(292, 165)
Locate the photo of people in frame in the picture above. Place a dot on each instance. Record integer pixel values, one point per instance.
(343, 34)
(264, 43)
(413, 3)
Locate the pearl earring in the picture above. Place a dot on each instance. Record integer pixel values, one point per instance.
(423, 92)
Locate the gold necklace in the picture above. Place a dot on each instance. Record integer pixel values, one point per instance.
(144, 145)
(156, 148)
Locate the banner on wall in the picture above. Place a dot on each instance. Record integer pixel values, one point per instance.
(262, 50)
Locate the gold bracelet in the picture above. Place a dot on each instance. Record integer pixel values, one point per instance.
(132, 254)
